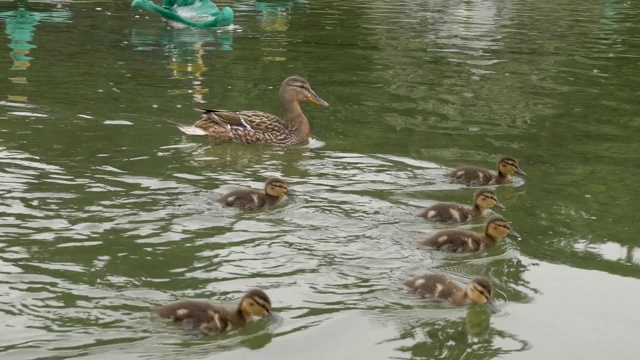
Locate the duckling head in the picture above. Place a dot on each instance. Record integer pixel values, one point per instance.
(508, 165)
(480, 290)
(256, 303)
(276, 187)
(498, 227)
(486, 199)
(297, 89)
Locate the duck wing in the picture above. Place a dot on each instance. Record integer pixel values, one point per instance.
(196, 315)
(454, 241)
(471, 175)
(244, 199)
(243, 120)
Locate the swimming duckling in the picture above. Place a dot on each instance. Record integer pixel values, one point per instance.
(460, 241)
(275, 191)
(472, 175)
(483, 200)
(209, 318)
(440, 287)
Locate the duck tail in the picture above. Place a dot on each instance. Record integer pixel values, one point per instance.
(191, 130)
(188, 129)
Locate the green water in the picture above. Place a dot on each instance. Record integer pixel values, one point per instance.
(106, 209)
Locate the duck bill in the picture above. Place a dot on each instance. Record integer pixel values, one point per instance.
(492, 306)
(314, 98)
(514, 234)
(499, 204)
(521, 172)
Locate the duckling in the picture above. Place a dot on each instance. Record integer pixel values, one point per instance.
(483, 200)
(463, 241)
(440, 287)
(472, 175)
(208, 318)
(275, 191)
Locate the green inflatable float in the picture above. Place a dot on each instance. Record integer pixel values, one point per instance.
(203, 10)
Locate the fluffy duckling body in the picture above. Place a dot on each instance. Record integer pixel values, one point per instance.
(257, 127)
(465, 241)
(472, 175)
(199, 315)
(275, 191)
(483, 200)
(442, 288)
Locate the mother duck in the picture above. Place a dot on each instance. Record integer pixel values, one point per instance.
(256, 127)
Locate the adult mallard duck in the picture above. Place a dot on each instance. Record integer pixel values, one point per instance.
(472, 175)
(203, 316)
(256, 127)
(275, 191)
(483, 200)
(463, 241)
(440, 287)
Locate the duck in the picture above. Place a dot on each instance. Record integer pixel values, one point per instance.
(442, 288)
(483, 200)
(257, 127)
(465, 241)
(473, 175)
(275, 192)
(203, 316)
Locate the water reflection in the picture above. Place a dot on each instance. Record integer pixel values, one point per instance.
(274, 18)
(468, 338)
(610, 13)
(20, 26)
(186, 49)
(274, 15)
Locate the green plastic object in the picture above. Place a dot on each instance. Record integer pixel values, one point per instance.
(205, 9)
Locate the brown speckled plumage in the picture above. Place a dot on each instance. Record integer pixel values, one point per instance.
(472, 175)
(463, 241)
(205, 317)
(274, 192)
(256, 127)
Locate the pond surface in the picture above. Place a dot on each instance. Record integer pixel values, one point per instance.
(106, 210)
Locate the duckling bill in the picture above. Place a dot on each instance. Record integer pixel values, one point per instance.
(442, 288)
(275, 191)
(483, 200)
(465, 241)
(197, 315)
(473, 175)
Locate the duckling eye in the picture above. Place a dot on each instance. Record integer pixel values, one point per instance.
(500, 228)
(482, 292)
